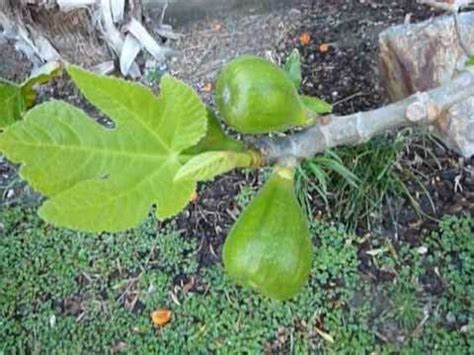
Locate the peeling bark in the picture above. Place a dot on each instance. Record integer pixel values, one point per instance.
(458, 127)
(69, 33)
(84, 32)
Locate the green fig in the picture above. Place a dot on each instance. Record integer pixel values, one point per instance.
(269, 247)
(255, 96)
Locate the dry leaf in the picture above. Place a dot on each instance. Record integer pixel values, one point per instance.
(69, 5)
(375, 252)
(161, 317)
(207, 87)
(130, 50)
(147, 41)
(118, 9)
(194, 197)
(392, 250)
(189, 285)
(324, 47)
(324, 335)
(305, 38)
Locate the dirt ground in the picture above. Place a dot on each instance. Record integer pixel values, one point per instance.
(344, 73)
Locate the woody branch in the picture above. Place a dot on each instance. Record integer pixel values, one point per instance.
(440, 98)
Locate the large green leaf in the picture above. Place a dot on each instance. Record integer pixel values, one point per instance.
(100, 179)
(12, 104)
(207, 165)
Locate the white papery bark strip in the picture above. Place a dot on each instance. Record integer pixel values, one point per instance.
(118, 10)
(147, 41)
(131, 49)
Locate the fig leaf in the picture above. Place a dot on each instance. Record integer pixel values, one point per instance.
(215, 138)
(16, 99)
(102, 179)
(40, 76)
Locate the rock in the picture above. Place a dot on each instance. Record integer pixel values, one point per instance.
(419, 57)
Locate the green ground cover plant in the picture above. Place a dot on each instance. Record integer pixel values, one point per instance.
(65, 291)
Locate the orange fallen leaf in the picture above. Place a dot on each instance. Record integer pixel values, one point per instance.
(305, 38)
(324, 47)
(161, 317)
(194, 196)
(207, 87)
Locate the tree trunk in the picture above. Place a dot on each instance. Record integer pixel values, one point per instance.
(71, 34)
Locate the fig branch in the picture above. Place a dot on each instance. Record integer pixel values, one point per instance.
(448, 109)
(423, 69)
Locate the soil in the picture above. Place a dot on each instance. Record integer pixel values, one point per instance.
(345, 74)
(342, 71)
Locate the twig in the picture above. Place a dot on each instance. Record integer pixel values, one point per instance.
(161, 21)
(348, 98)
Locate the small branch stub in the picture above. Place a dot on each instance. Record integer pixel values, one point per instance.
(423, 109)
(417, 111)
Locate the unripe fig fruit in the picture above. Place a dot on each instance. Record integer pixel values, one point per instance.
(269, 247)
(255, 96)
